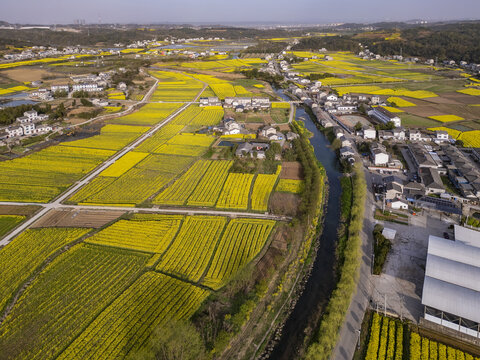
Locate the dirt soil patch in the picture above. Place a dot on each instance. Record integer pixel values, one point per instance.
(425, 111)
(291, 170)
(77, 218)
(284, 204)
(351, 120)
(440, 100)
(27, 210)
(25, 74)
(462, 98)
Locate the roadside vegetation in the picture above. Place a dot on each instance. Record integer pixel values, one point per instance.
(381, 248)
(332, 320)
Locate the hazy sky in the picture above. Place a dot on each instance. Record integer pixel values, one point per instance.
(225, 11)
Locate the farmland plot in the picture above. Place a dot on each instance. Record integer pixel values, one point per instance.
(51, 313)
(178, 193)
(208, 189)
(150, 236)
(241, 242)
(235, 192)
(192, 249)
(26, 252)
(127, 323)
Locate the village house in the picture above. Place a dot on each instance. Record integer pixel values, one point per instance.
(432, 181)
(379, 155)
(369, 133)
(55, 88)
(210, 101)
(13, 131)
(346, 152)
(88, 87)
(398, 204)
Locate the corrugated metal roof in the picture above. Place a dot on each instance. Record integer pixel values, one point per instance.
(454, 250)
(467, 236)
(453, 272)
(451, 298)
(452, 278)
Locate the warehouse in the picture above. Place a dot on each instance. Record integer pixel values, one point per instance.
(451, 290)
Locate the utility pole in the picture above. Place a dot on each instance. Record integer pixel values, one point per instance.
(385, 308)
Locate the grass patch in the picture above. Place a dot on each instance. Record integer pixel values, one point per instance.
(414, 121)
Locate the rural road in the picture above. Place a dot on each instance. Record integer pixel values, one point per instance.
(350, 331)
(57, 203)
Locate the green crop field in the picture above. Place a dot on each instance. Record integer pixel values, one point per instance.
(125, 325)
(235, 193)
(241, 242)
(26, 252)
(8, 222)
(190, 253)
(50, 314)
(388, 339)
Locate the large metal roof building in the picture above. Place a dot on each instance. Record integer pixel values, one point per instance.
(451, 290)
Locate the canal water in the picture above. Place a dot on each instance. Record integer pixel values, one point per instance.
(321, 282)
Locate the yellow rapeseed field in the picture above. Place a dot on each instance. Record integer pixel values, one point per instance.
(400, 102)
(446, 118)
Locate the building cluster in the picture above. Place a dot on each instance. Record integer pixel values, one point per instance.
(27, 125)
(210, 101)
(241, 104)
(229, 126)
(39, 52)
(433, 162)
(89, 83)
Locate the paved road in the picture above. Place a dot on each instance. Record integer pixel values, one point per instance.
(57, 203)
(349, 333)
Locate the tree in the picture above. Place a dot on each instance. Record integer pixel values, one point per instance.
(358, 126)
(175, 340)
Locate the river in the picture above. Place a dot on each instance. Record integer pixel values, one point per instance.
(321, 282)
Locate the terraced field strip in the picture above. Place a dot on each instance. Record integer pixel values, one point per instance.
(152, 236)
(192, 249)
(150, 114)
(51, 313)
(127, 323)
(235, 193)
(41, 176)
(262, 188)
(180, 191)
(241, 242)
